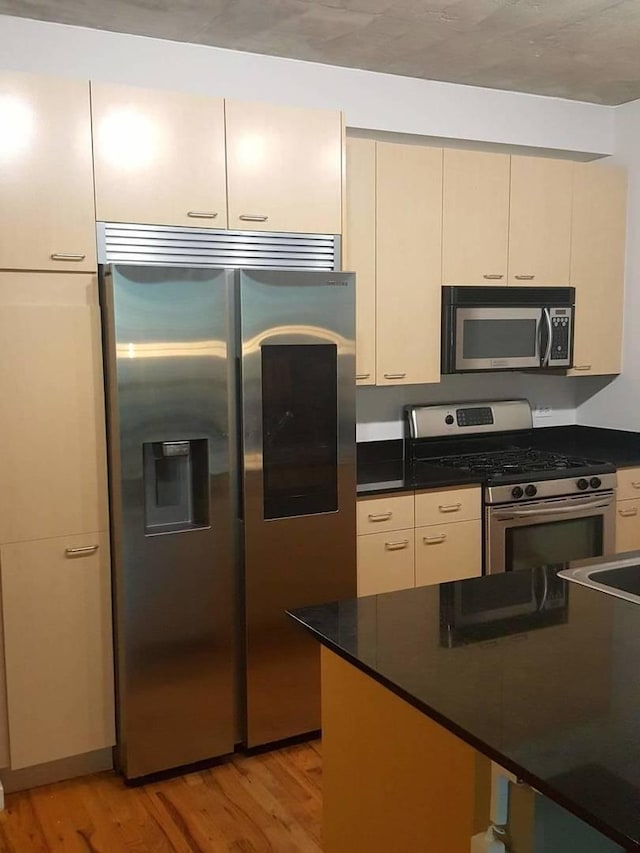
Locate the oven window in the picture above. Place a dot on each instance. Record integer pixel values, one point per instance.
(499, 339)
(300, 429)
(553, 542)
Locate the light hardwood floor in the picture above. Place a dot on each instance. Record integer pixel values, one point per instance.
(269, 803)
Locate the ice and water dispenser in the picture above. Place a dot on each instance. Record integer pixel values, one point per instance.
(176, 494)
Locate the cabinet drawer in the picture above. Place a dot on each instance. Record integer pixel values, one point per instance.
(628, 484)
(390, 512)
(444, 506)
(628, 525)
(448, 552)
(385, 562)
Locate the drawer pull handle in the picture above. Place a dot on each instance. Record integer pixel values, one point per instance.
(493, 277)
(524, 277)
(582, 367)
(201, 214)
(394, 375)
(250, 217)
(381, 516)
(362, 375)
(627, 513)
(635, 484)
(434, 540)
(64, 256)
(81, 552)
(396, 546)
(449, 507)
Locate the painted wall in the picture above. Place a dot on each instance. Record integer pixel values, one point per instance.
(374, 101)
(617, 403)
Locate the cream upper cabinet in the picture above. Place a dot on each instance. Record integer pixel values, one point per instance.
(52, 453)
(159, 157)
(597, 267)
(284, 168)
(359, 250)
(408, 253)
(58, 647)
(47, 218)
(475, 226)
(540, 221)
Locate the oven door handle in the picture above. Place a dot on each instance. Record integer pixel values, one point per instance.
(565, 510)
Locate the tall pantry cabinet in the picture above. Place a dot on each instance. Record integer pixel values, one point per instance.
(54, 547)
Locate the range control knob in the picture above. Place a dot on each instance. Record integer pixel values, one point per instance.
(449, 420)
(517, 492)
(595, 482)
(582, 484)
(530, 491)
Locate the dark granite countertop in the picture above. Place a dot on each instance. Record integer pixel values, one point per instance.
(381, 466)
(554, 700)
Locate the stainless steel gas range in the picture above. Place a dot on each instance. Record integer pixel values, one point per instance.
(540, 507)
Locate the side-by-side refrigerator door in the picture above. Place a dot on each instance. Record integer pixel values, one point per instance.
(174, 521)
(299, 483)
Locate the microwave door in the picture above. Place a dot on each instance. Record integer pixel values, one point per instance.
(498, 338)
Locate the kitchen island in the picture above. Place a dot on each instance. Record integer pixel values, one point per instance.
(418, 698)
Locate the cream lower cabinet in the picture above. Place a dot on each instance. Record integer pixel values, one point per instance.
(628, 510)
(56, 608)
(413, 539)
(597, 267)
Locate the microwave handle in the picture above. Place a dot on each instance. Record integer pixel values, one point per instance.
(547, 355)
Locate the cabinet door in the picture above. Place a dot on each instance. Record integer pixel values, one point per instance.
(52, 452)
(360, 250)
(385, 562)
(384, 513)
(448, 552)
(475, 225)
(284, 168)
(47, 218)
(409, 253)
(56, 605)
(159, 157)
(627, 526)
(540, 221)
(597, 267)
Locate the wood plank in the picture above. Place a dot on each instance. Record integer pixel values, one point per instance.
(269, 803)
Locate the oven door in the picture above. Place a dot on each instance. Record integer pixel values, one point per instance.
(558, 530)
(506, 338)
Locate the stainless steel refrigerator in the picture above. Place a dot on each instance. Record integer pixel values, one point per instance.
(231, 427)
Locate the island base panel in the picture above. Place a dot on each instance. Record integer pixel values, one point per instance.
(393, 779)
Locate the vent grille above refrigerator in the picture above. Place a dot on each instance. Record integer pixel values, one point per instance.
(163, 245)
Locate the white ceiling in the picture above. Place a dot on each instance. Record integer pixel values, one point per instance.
(581, 49)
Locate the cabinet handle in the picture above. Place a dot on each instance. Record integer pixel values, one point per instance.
(81, 552)
(201, 214)
(249, 217)
(493, 277)
(636, 484)
(449, 507)
(362, 375)
(396, 546)
(626, 513)
(434, 540)
(381, 516)
(394, 375)
(524, 277)
(64, 256)
(582, 367)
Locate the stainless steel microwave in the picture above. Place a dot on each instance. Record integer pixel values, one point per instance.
(507, 328)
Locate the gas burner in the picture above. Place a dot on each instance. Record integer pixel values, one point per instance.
(504, 463)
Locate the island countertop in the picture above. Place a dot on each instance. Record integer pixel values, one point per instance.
(554, 698)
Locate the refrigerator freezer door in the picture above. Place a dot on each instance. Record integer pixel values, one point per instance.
(174, 520)
(298, 419)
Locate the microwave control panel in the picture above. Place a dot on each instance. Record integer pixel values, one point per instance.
(561, 337)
